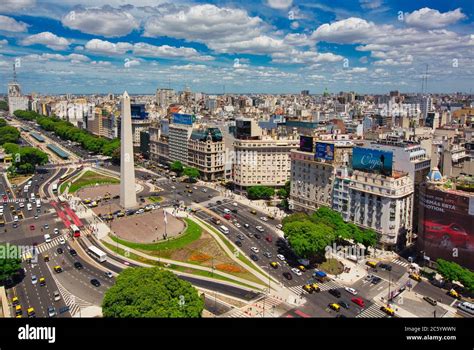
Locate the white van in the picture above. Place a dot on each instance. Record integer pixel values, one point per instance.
(32, 195)
(25, 190)
(47, 238)
(226, 211)
(28, 206)
(224, 229)
(466, 306)
(38, 203)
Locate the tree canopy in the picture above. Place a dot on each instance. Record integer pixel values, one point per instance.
(260, 192)
(8, 134)
(151, 292)
(10, 262)
(308, 239)
(177, 167)
(192, 173)
(452, 271)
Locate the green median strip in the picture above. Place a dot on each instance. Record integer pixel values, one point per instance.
(184, 269)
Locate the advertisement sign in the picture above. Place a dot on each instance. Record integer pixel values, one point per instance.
(185, 119)
(446, 227)
(306, 143)
(372, 161)
(324, 150)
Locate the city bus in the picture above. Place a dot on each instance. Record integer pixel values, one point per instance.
(63, 178)
(97, 254)
(75, 230)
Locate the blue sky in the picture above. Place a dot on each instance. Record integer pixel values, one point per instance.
(262, 46)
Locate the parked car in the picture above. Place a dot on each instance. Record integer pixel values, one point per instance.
(334, 292)
(287, 275)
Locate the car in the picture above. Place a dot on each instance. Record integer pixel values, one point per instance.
(281, 257)
(246, 225)
(315, 287)
(296, 271)
(72, 252)
(358, 301)
(269, 239)
(238, 243)
(389, 311)
(237, 225)
(58, 269)
(308, 288)
(454, 294)
(430, 300)
(334, 292)
(36, 216)
(95, 282)
(56, 231)
(415, 276)
(344, 304)
(279, 226)
(372, 264)
(259, 228)
(253, 211)
(227, 216)
(334, 306)
(268, 255)
(78, 265)
(59, 250)
(34, 279)
(219, 202)
(375, 280)
(287, 275)
(240, 236)
(263, 218)
(15, 225)
(15, 218)
(350, 290)
(46, 258)
(384, 266)
(257, 236)
(140, 211)
(46, 226)
(204, 190)
(51, 311)
(56, 295)
(254, 257)
(31, 312)
(302, 268)
(32, 227)
(255, 250)
(445, 234)
(274, 264)
(42, 281)
(108, 274)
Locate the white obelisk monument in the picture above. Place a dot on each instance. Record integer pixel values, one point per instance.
(128, 196)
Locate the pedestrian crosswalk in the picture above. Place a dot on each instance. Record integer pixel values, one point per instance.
(400, 262)
(74, 303)
(373, 311)
(236, 313)
(322, 286)
(43, 247)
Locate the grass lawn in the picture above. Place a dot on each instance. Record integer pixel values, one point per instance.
(192, 233)
(90, 178)
(183, 269)
(155, 199)
(331, 266)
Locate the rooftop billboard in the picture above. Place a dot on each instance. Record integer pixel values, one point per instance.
(324, 151)
(306, 143)
(372, 161)
(185, 119)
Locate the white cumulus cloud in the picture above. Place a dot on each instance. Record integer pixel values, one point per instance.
(47, 39)
(9, 24)
(279, 4)
(429, 19)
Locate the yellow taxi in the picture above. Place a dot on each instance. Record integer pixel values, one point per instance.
(18, 310)
(46, 258)
(15, 301)
(274, 264)
(388, 310)
(58, 269)
(31, 312)
(415, 276)
(372, 264)
(308, 288)
(42, 281)
(254, 212)
(454, 294)
(315, 287)
(335, 307)
(302, 268)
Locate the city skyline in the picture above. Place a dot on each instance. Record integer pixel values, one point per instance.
(274, 46)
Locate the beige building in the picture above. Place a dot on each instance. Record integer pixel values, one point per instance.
(264, 161)
(206, 152)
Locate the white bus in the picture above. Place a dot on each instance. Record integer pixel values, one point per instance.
(75, 231)
(55, 188)
(224, 229)
(38, 203)
(468, 307)
(97, 254)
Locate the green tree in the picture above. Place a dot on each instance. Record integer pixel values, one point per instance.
(282, 194)
(177, 167)
(192, 173)
(295, 217)
(3, 105)
(3, 122)
(452, 271)
(10, 261)
(9, 134)
(260, 192)
(151, 292)
(308, 239)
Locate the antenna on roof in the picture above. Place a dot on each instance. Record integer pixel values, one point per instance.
(14, 73)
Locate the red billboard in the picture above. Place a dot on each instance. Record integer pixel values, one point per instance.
(446, 225)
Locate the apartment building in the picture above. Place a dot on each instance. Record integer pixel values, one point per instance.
(206, 152)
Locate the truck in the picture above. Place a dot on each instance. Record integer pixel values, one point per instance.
(216, 221)
(320, 276)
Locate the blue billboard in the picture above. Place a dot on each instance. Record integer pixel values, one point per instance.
(372, 161)
(324, 150)
(186, 119)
